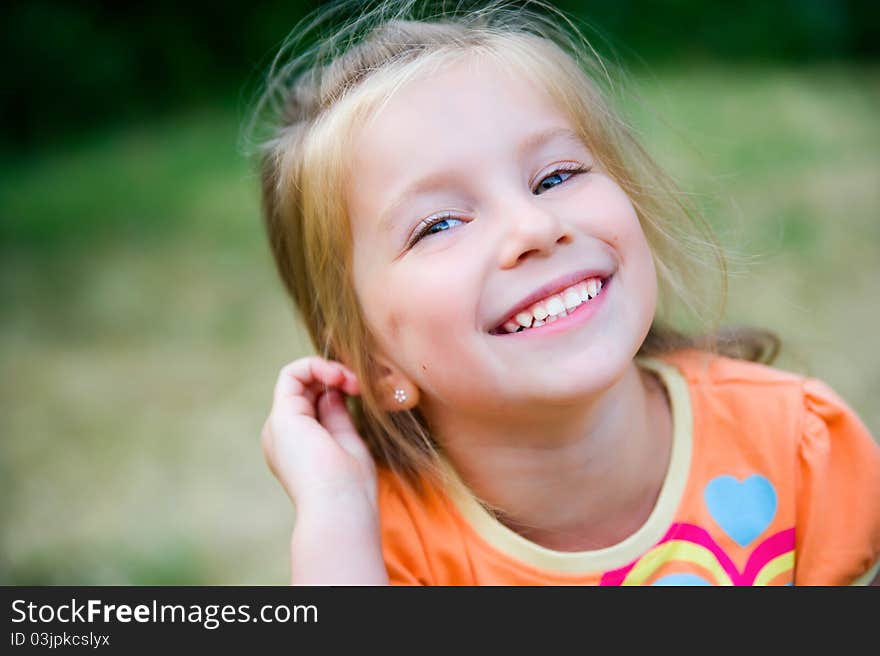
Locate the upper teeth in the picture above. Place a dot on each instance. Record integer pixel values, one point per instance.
(555, 306)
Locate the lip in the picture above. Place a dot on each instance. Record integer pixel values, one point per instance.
(552, 287)
(581, 314)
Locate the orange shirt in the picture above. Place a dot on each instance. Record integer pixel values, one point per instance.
(773, 480)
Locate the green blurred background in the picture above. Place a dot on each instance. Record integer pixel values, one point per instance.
(143, 325)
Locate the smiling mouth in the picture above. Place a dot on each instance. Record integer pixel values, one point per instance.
(553, 307)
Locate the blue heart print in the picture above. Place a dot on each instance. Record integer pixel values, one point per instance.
(743, 510)
(681, 579)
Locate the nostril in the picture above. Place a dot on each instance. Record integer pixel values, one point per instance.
(527, 254)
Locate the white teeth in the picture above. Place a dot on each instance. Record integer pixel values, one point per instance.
(571, 299)
(555, 305)
(524, 319)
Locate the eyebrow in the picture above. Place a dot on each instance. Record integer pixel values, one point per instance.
(441, 178)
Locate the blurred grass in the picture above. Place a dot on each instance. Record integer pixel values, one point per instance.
(143, 324)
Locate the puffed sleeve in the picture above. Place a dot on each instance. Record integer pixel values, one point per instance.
(402, 548)
(838, 494)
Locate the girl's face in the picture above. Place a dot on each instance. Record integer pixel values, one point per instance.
(489, 161)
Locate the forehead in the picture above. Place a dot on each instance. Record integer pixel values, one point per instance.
(449, 107)
(464, 116)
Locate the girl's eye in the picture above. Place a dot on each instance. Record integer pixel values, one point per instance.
(570, 170)
(435, 224)
(430, 227)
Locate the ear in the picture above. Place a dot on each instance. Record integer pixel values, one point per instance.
(395, 390)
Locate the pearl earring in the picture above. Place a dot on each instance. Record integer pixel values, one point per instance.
(399, 395)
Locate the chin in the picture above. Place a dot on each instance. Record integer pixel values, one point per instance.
(579, 378)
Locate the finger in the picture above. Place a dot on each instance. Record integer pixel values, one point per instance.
(290, 378)
(333, 415)
(304, 377)
(285, 408)
(330, 374)
(351, 385)
(337, 374)
(347, 381)
(266, 443)
(325, 374)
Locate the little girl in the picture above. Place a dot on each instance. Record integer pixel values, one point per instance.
(491, 268)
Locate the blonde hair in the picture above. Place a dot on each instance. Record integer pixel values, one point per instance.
(312, 105)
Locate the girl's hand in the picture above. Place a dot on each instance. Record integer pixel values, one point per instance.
(309, 441)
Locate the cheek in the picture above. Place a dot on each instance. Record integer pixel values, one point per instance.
(436, 298)
(421, 311)
(638, 262)
(621, 229)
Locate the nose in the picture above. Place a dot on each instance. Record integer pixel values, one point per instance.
(529, 230)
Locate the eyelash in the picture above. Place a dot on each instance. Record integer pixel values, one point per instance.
(574, 170)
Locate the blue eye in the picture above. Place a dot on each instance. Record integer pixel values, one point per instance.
(429, 227)
(572, 171)
(557, 174)
(430, 230)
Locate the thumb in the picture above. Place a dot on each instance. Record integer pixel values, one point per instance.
(333, 415)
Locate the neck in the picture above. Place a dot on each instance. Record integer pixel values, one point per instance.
(585, 476)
